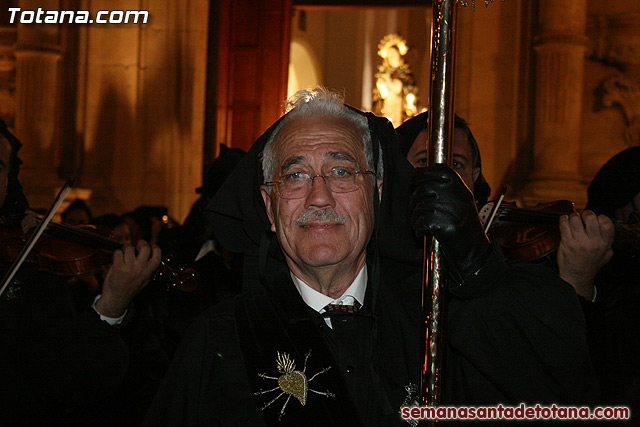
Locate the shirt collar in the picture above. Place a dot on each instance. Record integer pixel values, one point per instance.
(318, 301)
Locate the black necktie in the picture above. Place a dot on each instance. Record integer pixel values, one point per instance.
(342, 308)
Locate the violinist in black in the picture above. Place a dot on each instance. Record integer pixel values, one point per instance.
(52, 358)
(585, 239)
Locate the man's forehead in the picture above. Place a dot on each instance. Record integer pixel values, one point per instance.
(329, 155)
(461, 145)
(333, 137)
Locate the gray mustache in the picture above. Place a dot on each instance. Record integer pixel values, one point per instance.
(324, 214)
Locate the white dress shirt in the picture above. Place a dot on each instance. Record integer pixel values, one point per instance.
(318, 301)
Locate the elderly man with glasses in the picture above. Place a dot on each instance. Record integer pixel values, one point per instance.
(327, 330)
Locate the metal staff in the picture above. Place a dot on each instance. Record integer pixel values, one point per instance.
(439, 149)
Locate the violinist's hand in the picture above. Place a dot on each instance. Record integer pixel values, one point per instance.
(128, 275)
(585, 247)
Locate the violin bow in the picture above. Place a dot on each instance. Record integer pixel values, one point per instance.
(494, 211)
(8, 277)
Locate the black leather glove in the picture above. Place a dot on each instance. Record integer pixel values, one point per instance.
(443, 206)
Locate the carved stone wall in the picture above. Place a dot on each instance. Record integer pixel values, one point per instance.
(611, 120)
(145, 108)
(118, 106)
(38, 53)
(551, 99)
(122, 106)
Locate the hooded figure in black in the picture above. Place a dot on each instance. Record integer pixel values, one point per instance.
(614, 317)
(269, 358)
(14, 201)
(409, 131)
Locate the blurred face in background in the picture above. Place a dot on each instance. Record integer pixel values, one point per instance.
(77, 217)
(121, 233)
(462, 156)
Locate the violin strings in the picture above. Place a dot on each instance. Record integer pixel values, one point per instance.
(528, 215)
(82, 236)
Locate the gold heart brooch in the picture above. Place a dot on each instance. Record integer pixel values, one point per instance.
(291, 382)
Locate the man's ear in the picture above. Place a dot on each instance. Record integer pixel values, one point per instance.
(476, 174)
(380, 189)
(266, 197)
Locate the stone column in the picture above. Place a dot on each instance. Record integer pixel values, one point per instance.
(38, 57)
(560, 48)
(7, 74)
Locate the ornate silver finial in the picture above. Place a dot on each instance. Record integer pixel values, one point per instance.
(465, 3)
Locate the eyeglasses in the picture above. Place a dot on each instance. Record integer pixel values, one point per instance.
(297, 185)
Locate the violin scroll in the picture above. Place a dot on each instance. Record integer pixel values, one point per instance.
(183, 278)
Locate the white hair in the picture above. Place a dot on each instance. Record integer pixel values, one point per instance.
(320, 101)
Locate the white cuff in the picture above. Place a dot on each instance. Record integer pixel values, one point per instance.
(113, 321)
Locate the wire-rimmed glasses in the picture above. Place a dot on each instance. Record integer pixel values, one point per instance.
(297, 185)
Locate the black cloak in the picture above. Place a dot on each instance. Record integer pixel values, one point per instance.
(614, 319)
(516, 332)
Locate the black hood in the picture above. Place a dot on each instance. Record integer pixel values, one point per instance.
(616, 183)
(240, 221)
(409, 131)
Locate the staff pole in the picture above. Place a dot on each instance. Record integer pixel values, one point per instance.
(439, 149)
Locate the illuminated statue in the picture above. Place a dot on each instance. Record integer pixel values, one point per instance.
(395, 93)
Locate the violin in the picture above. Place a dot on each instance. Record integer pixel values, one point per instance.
(533, 233)
(75, 250)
